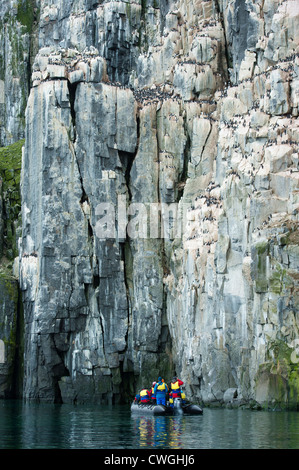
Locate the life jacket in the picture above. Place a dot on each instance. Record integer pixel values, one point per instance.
(175, 387)
(144, 395)
(153, 389)
(161, 388)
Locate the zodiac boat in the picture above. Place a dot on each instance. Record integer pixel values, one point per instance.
(158, 410)
(150, 409)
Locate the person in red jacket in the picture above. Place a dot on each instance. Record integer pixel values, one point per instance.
(175, 387)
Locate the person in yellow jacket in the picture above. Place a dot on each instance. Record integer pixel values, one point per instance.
(145, 396)
(160, 391)
(176, 387)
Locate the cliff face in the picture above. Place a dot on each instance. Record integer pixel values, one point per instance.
(159, 200)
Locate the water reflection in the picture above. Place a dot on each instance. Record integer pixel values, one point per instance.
(42, 426)
(38, 426)
(161, 432)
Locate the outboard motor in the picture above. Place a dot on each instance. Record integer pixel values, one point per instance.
(177, 406)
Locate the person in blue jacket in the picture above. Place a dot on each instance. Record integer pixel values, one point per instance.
(160, 391)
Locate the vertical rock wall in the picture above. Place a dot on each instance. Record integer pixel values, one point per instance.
(139, 106)
(77, 280)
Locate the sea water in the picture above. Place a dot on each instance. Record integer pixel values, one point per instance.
(46, 426)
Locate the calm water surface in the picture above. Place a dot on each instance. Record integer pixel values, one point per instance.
(42, 426)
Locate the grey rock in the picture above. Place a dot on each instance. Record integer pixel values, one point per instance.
(229, 395)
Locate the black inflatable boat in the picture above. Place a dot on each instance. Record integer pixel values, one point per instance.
(192, 409)
(160, 410)
(149, 409)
